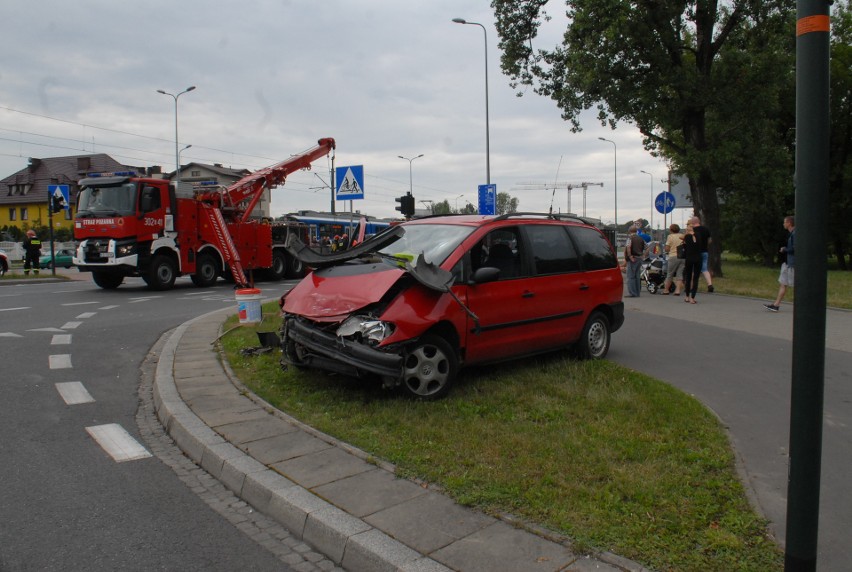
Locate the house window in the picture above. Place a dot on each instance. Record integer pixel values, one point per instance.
(25, 215)
(195, 173)
(12, 214)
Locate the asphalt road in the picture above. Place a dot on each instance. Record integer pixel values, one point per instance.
(735, 357)
(69, 503)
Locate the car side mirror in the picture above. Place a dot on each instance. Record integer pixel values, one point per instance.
(485, 274)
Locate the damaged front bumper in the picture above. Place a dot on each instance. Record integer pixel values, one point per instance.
(306, 345)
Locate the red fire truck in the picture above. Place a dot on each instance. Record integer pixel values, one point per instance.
(127, 225)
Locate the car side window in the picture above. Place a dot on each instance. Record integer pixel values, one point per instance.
(552, 249)
(596, 249)
(499, 249)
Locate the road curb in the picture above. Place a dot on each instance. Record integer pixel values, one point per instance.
(343, 538)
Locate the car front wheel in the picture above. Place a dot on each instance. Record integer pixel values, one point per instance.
(594, 343)
(430, 368)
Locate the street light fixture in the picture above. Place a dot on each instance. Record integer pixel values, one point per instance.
(457, 202)
(487, 132)
(177, 153)
(615, 177)
(410, 180)
(652, 202)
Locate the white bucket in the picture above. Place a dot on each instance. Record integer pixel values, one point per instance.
(248, 305)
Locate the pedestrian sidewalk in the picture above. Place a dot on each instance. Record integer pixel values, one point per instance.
(328, 493)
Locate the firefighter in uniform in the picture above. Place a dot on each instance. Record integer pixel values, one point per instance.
(32, 252)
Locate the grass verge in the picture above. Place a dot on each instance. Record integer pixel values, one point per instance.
(611, 458)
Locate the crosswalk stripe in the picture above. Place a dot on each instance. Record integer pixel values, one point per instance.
(117, 442)
(74, 393)
(86, 315)
(60, 361)
(71, 325)
(60, 340)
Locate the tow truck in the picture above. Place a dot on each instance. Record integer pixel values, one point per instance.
(127, 225)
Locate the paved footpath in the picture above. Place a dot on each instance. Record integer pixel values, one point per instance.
(327, 493)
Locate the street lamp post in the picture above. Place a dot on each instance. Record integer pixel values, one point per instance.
(615, 177)
(487, 132)
(410, 179)
(457, 202)
(652, 202)
(177, 153)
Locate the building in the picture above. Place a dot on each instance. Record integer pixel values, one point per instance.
(23, 195)
(24, 199)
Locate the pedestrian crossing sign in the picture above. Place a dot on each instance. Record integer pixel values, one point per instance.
(350, 182)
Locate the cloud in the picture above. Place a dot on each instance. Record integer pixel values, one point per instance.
(384, 78)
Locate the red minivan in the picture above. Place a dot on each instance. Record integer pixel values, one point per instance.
(415, 303)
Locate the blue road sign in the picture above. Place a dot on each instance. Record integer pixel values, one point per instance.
(60, 196)
(350, 183)
(665, 203)
(487, 199)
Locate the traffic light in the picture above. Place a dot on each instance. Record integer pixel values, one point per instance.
(406, 205)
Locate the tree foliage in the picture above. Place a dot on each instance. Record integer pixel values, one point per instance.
(692, 76)
(506, 203)
(840, 176)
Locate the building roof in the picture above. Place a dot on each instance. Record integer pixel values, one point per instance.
(29, 185)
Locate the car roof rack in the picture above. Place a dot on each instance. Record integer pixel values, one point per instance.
(551, 216)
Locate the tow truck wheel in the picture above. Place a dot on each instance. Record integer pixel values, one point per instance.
(430, 368)
(206, 271)
(279, 265)
(107, 280)
(295, 268)
(162, 273)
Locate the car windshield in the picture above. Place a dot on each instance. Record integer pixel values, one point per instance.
(434, 241)
(107, 201)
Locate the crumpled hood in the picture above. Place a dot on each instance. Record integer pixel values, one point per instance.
(331, 294)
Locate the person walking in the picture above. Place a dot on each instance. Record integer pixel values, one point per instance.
(674, 272)
(702, 235)
(32, 252)
(692, 264)
(633, 257)
(785, 279)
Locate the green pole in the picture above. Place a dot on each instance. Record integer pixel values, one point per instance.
(808, 374)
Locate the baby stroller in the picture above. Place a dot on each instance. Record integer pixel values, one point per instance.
(653, 273)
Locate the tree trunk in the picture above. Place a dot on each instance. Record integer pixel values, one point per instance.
(840, 253)
(706, 203)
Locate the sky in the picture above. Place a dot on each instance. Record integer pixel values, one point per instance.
(384, 79)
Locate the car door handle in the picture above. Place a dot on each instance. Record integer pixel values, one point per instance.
(527, 294)
(584, 286)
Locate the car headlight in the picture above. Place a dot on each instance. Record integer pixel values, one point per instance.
(366, 326)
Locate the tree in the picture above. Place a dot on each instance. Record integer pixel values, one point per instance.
(677, 70)
(442, 208)
(506, 204)
(840, 176)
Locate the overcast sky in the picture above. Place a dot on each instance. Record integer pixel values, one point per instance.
(273, 76)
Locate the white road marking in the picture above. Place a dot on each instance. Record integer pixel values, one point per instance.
(144, 298)
(60, 340)
(74, 393)
(109, 307)
(10, 335)
(137, 300)
(14, 309)
(46, 330)
(117, 442)
(86, 315)
(80, 303)
(60, 361)
(198, 293)
(70, 325)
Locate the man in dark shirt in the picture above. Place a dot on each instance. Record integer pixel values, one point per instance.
(633, 257)
(785, 279)
(702, 236)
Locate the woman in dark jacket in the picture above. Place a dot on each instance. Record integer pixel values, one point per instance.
(692, 264)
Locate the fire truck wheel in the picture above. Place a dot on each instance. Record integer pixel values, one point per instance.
(206, 271)
(107, 280)
(162, 273)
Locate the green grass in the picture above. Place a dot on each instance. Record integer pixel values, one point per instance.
(746, 278)
(608, 457)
